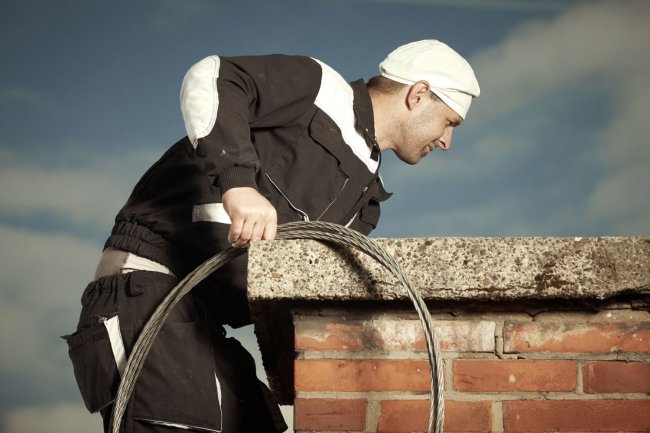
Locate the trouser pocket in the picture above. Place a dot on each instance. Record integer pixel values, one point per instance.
(178, 385)
(94, 365)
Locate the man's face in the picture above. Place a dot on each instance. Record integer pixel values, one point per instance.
(430, 125)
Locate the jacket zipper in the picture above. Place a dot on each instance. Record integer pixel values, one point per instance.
(304, 215)
(335, 198)
(357, 213)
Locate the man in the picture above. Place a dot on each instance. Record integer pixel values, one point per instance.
(270, 139)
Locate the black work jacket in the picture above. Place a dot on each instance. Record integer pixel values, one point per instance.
(288, 126)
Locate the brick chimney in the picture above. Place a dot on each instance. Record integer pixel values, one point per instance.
(537, 334)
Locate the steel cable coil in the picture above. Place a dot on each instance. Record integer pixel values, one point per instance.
(315, 230)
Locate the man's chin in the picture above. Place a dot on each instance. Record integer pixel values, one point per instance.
(409, 159)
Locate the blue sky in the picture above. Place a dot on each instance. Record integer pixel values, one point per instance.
(557, 145)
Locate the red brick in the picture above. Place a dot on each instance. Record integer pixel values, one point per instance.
(361, 375)
(572, 337)
(399, 416)
(576, 416)
(318, 414)
(612, 376)
(514, 375)
(316, 335)
(461, 335)
(391, 334)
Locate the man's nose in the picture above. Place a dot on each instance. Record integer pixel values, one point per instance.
(444, 142)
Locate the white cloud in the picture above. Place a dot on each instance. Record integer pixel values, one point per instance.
(42, 277)
(620, 197)
(597, 38)
(72, 194)
(30, 97)
(172, 12)
(605, 40)
(36, 264)
(534, 5)
(534, 84)
(196, 7)
(57, 418)
(88, 194)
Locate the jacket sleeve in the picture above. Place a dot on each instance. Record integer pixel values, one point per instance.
(223, 98)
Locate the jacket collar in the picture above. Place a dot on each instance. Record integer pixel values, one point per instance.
(364, 115)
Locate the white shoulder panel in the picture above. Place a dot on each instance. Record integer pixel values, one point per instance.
(199, 98)
(335, 98)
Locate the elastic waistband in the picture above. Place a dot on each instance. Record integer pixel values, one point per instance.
(114, 261)
(142, 241)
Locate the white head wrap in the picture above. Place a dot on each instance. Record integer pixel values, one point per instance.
(450, 76)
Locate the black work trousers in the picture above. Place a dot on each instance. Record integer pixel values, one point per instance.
(194, 376)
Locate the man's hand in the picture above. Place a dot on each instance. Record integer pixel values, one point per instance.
(252, 216)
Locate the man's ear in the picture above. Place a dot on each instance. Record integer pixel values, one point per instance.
(416, 94)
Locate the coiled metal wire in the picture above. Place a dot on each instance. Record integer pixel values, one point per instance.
(316, 230)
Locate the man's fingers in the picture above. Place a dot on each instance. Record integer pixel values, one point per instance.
(270, 230)
(246, 233)
(235, 230)
(252, 216)
(258, 231)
